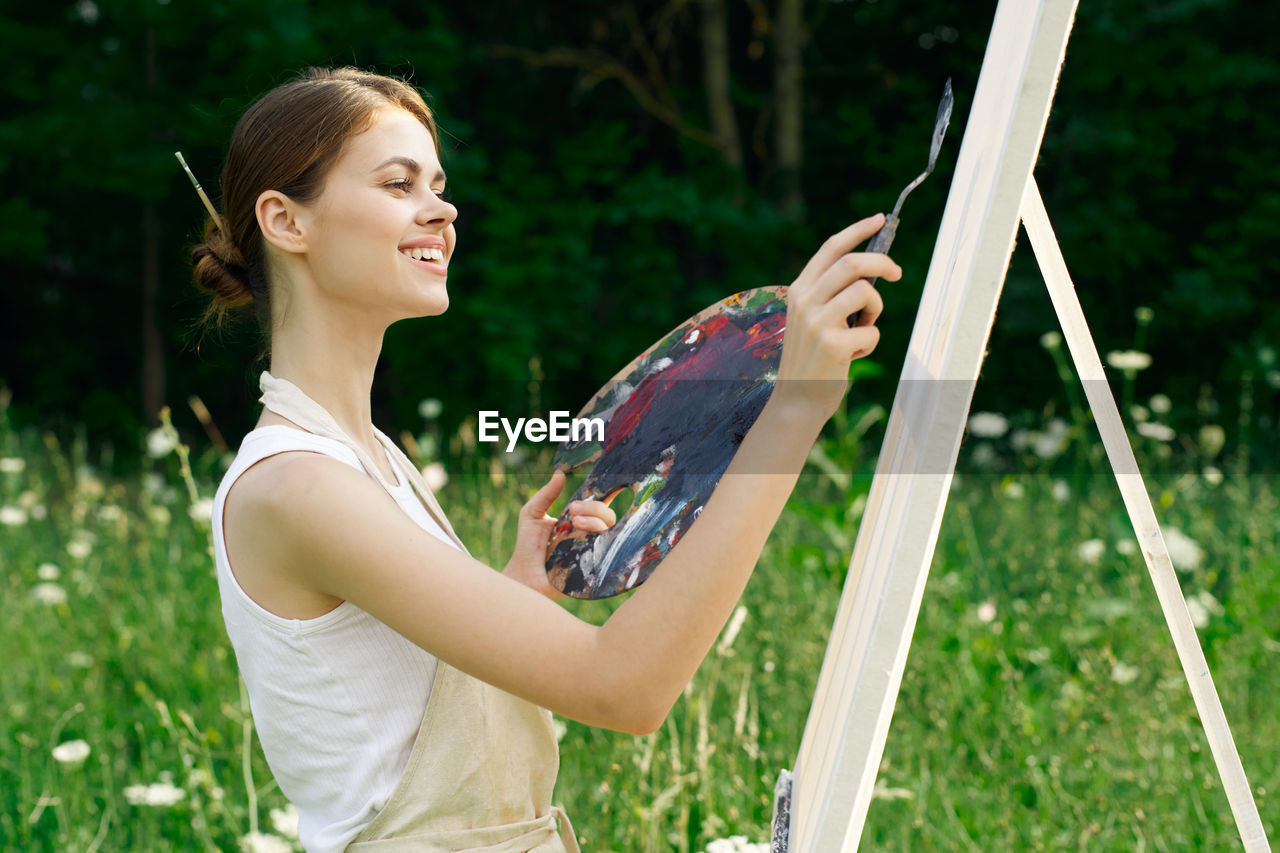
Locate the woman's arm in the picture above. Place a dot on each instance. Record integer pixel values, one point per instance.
(327, 527)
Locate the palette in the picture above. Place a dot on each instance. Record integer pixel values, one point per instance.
(673, 420)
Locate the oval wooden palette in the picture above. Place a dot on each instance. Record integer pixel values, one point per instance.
(673, 420)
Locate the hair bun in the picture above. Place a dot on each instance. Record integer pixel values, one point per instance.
(220, 269)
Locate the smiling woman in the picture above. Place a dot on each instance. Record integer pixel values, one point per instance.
(403, 691)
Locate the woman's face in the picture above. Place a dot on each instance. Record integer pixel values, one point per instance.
(379, 221)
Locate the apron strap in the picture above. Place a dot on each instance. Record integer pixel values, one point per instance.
(289, 401)
(567, 835)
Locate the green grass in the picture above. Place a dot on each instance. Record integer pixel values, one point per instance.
(1042, 707)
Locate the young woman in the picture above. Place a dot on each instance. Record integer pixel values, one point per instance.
(400, 688)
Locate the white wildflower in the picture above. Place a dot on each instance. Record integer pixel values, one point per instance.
(1021, 439)
(737, 844)
(983, 458)
(559, 728)
(986, 611)
(1144, 314)
(158, 515)
(80, 547)
(882, 791)
(1040, 655)
(153, 483)
(81, 660)
(161, 442)
(87, 11)
(1123, 673)
(262, 842)
(988, 424)
(110, 512)
(769, 666)
(1127, 547)
(1139, 413)
(201, 510)
(12, 465)
(89, 486)
(1212, 438)
(1050, 444)
(430, 409)
(1199, 613)
(155, 794)
(1185, 553)
(48, 572)
(49, 593)
(1091, 551)
(1212, 475)
(1203, 606)
(1061, 491)
(435, 476)
(1051, 340)
(12, 516)
(286, 820)
(1160, 404)
(1129, 360)
(71, 752)
(1013, 490)
(731, 630)
(1160, 432)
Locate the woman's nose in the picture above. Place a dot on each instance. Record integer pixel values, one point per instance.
(437, 211)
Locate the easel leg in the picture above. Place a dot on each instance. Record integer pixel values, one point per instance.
(1138, 504)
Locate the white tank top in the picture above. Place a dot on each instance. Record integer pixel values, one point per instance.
(338, 699)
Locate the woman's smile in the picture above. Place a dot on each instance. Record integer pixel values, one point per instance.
(428, 254)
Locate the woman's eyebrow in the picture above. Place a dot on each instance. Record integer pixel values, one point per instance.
(409, 163)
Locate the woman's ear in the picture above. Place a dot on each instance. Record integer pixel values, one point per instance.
(278, 217)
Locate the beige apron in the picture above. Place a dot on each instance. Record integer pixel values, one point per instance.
(484, 763)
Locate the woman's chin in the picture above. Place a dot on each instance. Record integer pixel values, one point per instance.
(431, 301)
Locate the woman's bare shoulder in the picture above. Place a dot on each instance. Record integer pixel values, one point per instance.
(259, 517)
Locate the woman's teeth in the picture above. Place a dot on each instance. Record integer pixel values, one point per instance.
(424, 254)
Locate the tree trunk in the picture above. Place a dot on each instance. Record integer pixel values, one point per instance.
(715, 78)
(789, 100)
(152, 344)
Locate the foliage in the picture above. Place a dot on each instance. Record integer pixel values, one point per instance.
(592, 221)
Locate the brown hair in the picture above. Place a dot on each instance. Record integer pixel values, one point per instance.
(287, 141)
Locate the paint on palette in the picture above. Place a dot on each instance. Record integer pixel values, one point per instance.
(674, 418)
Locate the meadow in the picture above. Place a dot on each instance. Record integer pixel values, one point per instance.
(1043, 706)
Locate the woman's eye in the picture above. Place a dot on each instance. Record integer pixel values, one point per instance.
(403, 184)
(442, 194)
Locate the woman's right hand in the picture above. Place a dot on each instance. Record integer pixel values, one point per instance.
(819, 344)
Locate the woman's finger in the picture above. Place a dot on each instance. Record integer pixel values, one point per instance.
(838, 244)
(861, 298)
(537, 506)
(590, 523)
(861, 340)
(595, 509)
(849, 269)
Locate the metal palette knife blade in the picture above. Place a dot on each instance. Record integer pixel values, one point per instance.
(884, 237)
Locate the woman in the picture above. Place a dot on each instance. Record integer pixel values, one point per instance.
(348, 616)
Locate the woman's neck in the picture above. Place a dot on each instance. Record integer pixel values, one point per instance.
(333, 363)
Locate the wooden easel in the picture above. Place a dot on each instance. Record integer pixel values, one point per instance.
(821, 808)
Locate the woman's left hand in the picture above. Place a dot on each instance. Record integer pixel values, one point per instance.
(528, 563)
